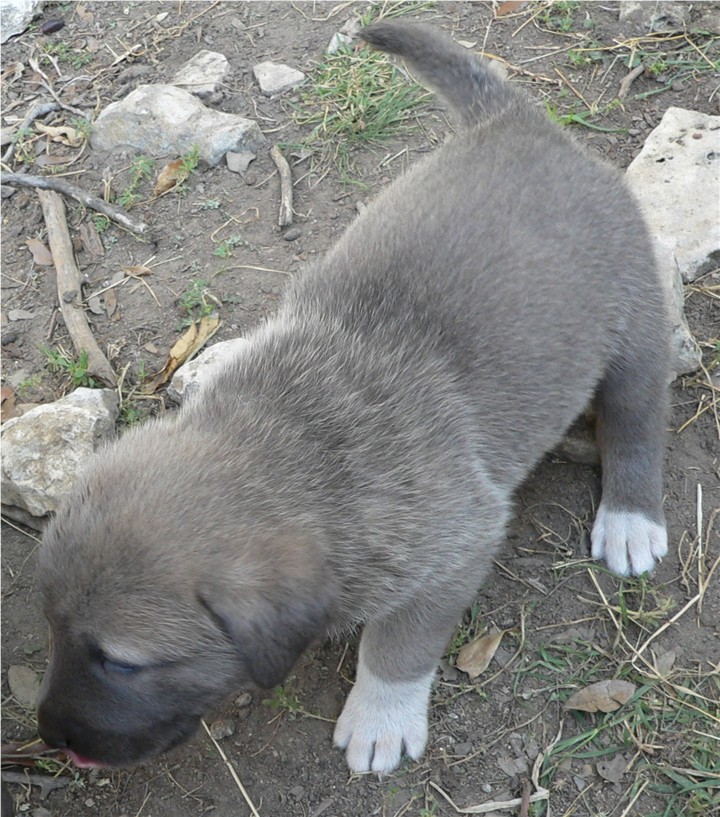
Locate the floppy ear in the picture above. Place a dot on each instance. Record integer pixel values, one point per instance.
(269, 635)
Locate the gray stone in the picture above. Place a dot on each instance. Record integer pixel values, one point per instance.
(649, 17)
(222, 728)
(162, 120)
(20, 315)
(676, 178)
(239, 162)
(44, 450)
(338, 41)
(191, 377)
(24, 684)
(203, 74)
(274, 78)
(15, 15)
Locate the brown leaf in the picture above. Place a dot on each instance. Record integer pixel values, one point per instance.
(604, 696)
(111, 302)
(137, 270)
(7, 403)
(91, 242)
(193, 340)
(62, 133)
(475, 657)
(169, 176)
(40, 253)
(509, 7)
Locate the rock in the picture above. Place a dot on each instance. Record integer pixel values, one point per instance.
(222, 728)
(44, 450)
(24, 684)
(15, 15)
(244, 699)
(239, 162)
(292, 234)
(338, 41)
(274, 78)
(675, 179)
(644, 17)
(192, 376)
(162, 120)
(20, 315)
(203, 74)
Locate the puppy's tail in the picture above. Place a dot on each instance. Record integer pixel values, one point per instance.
(468, 83)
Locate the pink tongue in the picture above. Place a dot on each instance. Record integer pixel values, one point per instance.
(84, 762)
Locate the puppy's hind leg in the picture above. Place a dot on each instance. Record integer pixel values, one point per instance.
(629, 530)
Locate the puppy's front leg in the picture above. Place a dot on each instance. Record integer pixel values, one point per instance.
(386, 712)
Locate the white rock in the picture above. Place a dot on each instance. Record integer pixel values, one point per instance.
(338, 41)
(44, 450)
(203, 74)
(162, 120)
(15, 15)
(190, 378)
(24, 684)
(274, 78)
(239, 162)
(676, 179)
(655, 16)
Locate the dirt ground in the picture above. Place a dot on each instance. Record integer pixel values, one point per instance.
(566, 621)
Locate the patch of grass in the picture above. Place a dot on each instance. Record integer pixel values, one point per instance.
(66, 53)
(582, 116)
(100, 222)
(141, 169)
(23, 139)
(75, 368)
(225, 248)
(560, 16)
(354, 99)
(197, 301)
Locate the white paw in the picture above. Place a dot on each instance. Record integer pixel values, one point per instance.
(381, 719)
(629, 542)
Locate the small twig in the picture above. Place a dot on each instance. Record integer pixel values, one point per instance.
(285, 218)
(234, 774)
(629, 79)
(46, 783)
(93, 202)
(35, 113)
(69, 287)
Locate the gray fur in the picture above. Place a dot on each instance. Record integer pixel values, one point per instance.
(356, 464)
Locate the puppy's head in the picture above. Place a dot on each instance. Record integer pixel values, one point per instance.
(160, 607)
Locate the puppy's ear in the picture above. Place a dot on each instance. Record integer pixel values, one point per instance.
(269, 635)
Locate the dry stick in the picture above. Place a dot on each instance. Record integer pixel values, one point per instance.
(629, 79)
(69, 287)
(93, 202)
(35, 113)
(285, 218)
(232, 772)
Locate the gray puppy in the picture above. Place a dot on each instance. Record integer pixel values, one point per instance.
(356, 465)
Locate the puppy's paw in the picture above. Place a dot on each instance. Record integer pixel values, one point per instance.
(629, 542)
(381, 719)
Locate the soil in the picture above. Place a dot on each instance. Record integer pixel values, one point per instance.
(542, 593)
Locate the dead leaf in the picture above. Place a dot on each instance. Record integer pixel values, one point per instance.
(62, 133)
(612, 770)
(169, 176)
(40, 253)
(91, 242)
(509, 7)
(475, 657)
(111, 302)
(604, 696)
(137, 270)
(193, 340)
(7, 403)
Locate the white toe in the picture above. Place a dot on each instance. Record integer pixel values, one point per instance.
(381, 719)
(629, 542)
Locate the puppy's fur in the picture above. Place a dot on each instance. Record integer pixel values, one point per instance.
(356, 464)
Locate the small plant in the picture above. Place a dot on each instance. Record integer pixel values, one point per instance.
(210, 204)
(559, 16)
(84, 126)
(198, 302)
(141, 169)
(22, 139)
(100, 222)
(225, 248)
(282, 700)
(76, 369)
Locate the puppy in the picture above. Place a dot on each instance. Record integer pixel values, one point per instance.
(355, 466)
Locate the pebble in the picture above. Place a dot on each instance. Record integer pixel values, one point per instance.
(20, 315)
(222, 728)
(243, 700)
(24, 685)
(289, 235)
